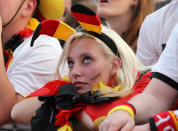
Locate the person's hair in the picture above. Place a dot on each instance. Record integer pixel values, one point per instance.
(127, 74)
(36, 8)
(143, 8)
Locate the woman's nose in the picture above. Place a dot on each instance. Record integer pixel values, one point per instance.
(76, 70)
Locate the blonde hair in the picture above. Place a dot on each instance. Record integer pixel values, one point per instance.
(127, 74)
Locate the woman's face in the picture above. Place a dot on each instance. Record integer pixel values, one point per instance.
(8, 9)
(87, 64)
(111, 8)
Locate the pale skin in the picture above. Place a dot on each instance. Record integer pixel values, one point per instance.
(84, 63)
(118, 13)
(158, 97)
(7, 100)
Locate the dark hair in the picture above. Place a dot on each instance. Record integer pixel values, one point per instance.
(36, 8)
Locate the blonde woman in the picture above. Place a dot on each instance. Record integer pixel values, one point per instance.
(103, 75)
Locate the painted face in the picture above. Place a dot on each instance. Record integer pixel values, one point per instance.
(111, 8)
(87, 64)
(8, 9)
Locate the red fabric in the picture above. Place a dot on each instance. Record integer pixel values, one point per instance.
(165, 120)
(63, 116)
(93, 20)
(99, 110)
(94, 111)
(25, 33)
(51, 88)
(49, 27)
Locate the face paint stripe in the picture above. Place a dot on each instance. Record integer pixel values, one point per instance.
(96, 76)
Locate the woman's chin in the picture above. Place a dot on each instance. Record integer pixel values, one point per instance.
(80, 91)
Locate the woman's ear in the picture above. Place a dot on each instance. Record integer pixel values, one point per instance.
(29, 7)
(116, 64)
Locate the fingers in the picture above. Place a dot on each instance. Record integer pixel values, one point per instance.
(110, 125)
(129, 125)
(117, 121)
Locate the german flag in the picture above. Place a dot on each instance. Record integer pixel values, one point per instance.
(53, 28)
(87, 18)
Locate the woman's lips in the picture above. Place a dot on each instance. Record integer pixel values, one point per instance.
(103, 1)
(79, 84)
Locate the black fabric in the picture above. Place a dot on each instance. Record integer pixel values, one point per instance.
(108, 41)
(165, 79)
(35, 34)
(67, 97)
(78, 8)
(152, 124)
(44, 118)
(12, 44)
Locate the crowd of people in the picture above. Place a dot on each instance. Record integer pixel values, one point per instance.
(118, 60)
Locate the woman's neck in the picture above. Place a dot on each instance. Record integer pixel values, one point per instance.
(120, 23)
(12, 29)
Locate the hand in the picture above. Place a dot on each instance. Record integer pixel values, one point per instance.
(117, 121)
(145, 127)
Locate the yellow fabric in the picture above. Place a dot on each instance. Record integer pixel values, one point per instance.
(98, 121)
(63, 31)
(90, 27)
(101, 86)
(124, 108)
(52, 9)
(33, 24)
(66, 78)
(65, 127)
(175, 118)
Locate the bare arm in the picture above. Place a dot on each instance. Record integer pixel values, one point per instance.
(23, 111)
(8, 97)
(157, 97)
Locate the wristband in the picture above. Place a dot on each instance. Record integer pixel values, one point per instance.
(152, 124)
(125, 107)
(167, 120)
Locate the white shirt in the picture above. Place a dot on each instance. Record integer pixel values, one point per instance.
(155, 32)
(32, 67)
(166, 69)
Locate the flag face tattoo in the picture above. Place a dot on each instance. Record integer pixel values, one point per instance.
(96, 76)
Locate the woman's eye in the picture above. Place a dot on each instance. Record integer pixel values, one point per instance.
(70, 64)
(87, 59)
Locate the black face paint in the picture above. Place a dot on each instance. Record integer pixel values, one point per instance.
(96, 76)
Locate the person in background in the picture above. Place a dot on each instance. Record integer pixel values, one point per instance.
(125, 17)
(161, 3)
(155, 31)
(25, 69)
(158, 96)
(71, 21)
(99, 63)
